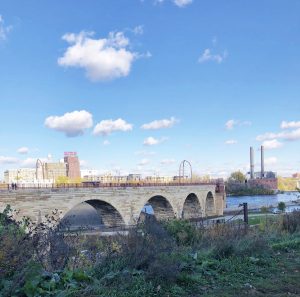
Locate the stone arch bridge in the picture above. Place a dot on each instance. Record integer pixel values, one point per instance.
(122, 205)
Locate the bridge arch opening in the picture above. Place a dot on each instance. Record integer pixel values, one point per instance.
(92, 214)
(209, 204)
(191, 207)
(158, 207)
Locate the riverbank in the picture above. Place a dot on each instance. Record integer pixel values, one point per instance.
(171, 259)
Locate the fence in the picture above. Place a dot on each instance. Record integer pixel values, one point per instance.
(85, 185)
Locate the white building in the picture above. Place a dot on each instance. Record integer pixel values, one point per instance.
(89, 172)
(19, 175)
(134, 177)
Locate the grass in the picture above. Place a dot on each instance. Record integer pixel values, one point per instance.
(173, 259)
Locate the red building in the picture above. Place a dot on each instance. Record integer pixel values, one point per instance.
(267, 183)
(73, 165)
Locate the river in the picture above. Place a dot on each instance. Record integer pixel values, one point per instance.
(258, 201)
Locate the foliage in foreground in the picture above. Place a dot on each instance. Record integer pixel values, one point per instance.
(170, 259)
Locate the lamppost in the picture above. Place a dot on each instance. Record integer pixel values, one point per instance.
(18, 171)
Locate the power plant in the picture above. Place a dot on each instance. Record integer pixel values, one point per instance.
(262, 174)
(266, 179)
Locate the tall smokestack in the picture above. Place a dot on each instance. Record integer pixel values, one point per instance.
(262, 161)
(251, 163)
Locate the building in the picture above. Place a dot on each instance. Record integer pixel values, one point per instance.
(73, 165)
(264, 179)
(134, 177)
(88, 172)
(52, 171)
(266, 183)
(105, 178)
(178, 178)
(296, 175)
(159, 179)
(19, 175)
(267, 174)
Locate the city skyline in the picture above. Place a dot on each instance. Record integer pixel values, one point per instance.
(141, 86)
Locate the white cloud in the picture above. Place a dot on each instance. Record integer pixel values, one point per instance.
(286, 135)
(272, 144)
(245, 123)
(230, 124)
(271, 161)
(106, 127)
(8, 160)
(145, 153)
(103, 59)
(182, 3)
(160, 124)
(231, 141)
(83, 163)
(153, 141)
(288, 125)
(23, 150)
(208, 56)
(167, 161)
(71, 123)
(138, 30)
(179, 3)
(106, 142)
(30, 162)
(4, 30)
(144, 162)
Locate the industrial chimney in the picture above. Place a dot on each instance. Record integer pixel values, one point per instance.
(251, 163)
(262, 161)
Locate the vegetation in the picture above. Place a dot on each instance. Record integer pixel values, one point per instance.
(281, 206)
(169, 259)
(237, 189)
(287, 184)
(237, 185)
(62, 180)
(237, 176)
(264, 209)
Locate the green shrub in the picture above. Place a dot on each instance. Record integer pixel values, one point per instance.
(287, 245)
(291, 222)
(183, 232)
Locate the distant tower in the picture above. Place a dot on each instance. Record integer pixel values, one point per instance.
(73, 165)
(251, 163)
(262, 161)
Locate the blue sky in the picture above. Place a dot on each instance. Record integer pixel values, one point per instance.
(191, 66)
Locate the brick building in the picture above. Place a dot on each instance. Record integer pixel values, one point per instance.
(73, 166)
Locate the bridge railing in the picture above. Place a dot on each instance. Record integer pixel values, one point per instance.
(96, 184)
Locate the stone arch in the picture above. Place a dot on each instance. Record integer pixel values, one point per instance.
(162, 208)
(209, 204)
(108, 215)
(191, 208)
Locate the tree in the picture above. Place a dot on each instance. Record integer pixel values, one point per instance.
(237, 176)
(77, 180)
(281, 206)
(62, 180)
